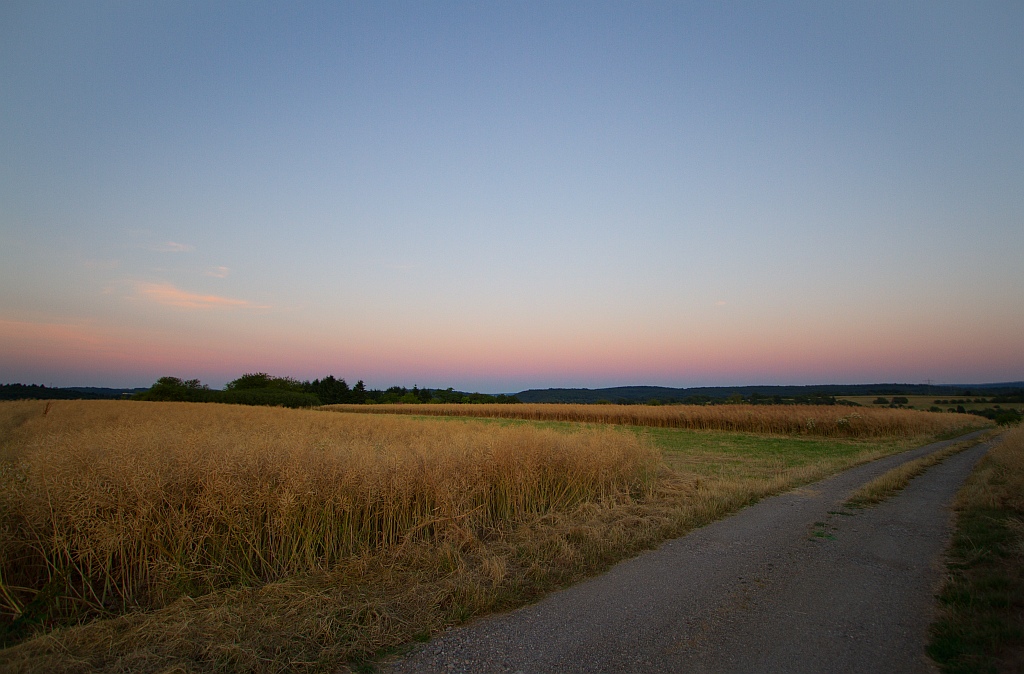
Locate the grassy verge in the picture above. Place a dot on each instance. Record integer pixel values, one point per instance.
(218, 538)
(981, 623)
(885, 486)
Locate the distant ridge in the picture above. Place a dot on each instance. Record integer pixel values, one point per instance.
(104, 392)
(39, 392)
(634, 394)
(617, 394)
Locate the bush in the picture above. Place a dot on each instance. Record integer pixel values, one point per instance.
(251, 392)
(1007, 417)
(269, 396)
(262, 380)
(177, 390)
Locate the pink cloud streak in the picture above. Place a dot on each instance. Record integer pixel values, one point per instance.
(169, 295)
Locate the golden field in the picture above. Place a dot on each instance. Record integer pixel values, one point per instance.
(133, 505)
(206, 537)
(811, 420)
(943, 402)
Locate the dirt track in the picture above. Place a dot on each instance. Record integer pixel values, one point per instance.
(787, 585)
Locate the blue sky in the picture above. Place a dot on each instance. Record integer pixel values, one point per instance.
(497, 196)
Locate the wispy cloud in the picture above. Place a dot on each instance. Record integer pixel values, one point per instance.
(218, 272)
(171, 296)
(720, 303)
(170, 247)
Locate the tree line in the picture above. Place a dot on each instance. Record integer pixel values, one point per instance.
(42, 392)
(260, 388)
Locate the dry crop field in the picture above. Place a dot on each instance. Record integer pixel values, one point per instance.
(808, 420)
(943, 402)
(203, 537)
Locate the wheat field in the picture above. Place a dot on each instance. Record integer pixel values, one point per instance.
(140, 536)
(810, 420)
(133, 504)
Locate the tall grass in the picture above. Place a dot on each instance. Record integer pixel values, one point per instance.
(109, 505)
(811, 420)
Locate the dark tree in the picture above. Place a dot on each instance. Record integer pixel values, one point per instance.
(331, 391)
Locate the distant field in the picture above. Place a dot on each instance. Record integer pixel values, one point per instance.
(208, 537)
(809, 420)
(942, 402)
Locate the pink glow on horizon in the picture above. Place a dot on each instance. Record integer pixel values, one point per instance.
(84, 349)
(848, 358)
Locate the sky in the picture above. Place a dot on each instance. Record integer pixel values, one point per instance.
(508, 195)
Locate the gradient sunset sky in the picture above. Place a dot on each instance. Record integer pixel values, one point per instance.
(505, 195)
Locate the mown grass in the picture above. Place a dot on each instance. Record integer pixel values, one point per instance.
(717, 451)
(176, 536)
(981, 623)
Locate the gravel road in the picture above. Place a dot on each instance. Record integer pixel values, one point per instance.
(787, 585)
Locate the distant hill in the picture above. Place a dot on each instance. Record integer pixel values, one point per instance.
(639, 394)
(105, 392)
(618, 394)
(39, 392)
